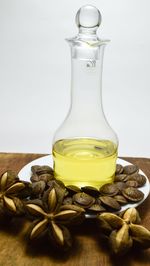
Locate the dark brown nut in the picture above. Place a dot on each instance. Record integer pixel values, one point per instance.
(121, 199)
(46, 177)
(82, 199)
(73, 189)
(56, 183)
(120, 178)
(119, 169)
(39, 170)
(140, 179)
(38, 188)
(67, 200)
(110, 202)
(120, 186)
(34, 178)
(109, 189)
(96, 208)
(130, 169)
(92, 191)
(133, 194)
(132, 183)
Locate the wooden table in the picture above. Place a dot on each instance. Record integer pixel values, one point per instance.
(87, 250)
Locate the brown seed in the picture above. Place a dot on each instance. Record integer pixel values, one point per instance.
(109, 189)
(119, 169)
(110, 203)
(120, 178)
(34, 178)
(39, 170)
(82, 199)
(140, 179)
(56, 183)
(120, 186)
(132, 183)
(73, 189)
(92, 191)
(96, 208)
(132, 194)
(121, 199)
(46, 177)
(130, 169)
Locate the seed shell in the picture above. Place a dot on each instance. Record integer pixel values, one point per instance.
(109, 189)
(130, 169)
(132, 183)
(97, 208)
(133, 194)
(82, 199)
(119, 169)
(140, 179)
(120, 186)
(121, 199)
(72, 189)
(120, 178)
(110, 203)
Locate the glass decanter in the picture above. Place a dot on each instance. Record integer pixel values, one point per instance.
(85, 146)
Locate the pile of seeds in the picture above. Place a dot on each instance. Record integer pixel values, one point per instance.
(49, 207)
(110, 197)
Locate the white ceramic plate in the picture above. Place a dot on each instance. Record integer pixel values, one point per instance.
(25, 174)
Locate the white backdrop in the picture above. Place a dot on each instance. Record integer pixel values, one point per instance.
(35, 71)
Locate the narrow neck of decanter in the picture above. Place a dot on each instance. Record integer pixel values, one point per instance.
(86, 82)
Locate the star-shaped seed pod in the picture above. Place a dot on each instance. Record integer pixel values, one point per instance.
(53, 217)
(10, 187)
(122, 232)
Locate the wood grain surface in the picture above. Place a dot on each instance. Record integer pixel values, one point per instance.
(88, 249)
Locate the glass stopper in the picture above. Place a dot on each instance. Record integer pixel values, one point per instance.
(88, 17)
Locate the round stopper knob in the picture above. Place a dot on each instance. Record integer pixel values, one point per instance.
(88, 17)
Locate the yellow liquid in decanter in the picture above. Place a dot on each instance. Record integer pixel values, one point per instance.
(85, 161)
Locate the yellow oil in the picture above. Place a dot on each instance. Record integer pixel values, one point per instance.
(84, 161)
